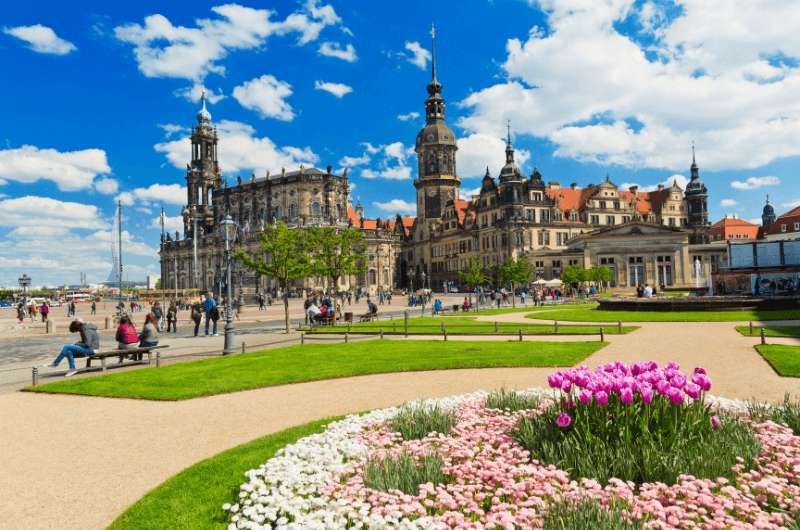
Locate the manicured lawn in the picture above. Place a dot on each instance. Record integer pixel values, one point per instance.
(507, 309)
(465, 325)
(311, 362)
(784, 359)
(773, 331)
(193, 498)
(591, 314)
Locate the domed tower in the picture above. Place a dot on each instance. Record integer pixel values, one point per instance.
(510, 171)
(696, 197)
(202, 174)
(437, 182)
(768, 214)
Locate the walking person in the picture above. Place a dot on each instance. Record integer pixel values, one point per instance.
(20, 313)
(94, 307)
(172, 318)
(88, 345)
(44, 310)
(197, 317)
(159, 314)
(210, 305)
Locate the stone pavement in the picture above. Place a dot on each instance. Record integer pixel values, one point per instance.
(58, 448)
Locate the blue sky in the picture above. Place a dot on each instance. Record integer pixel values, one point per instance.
(99, 95)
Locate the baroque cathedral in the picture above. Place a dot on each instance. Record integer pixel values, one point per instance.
(657, 236)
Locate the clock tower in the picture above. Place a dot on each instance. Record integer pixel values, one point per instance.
(437, 182)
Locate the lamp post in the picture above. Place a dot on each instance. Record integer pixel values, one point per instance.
(229, 231)
(424, 294)
(24, 282)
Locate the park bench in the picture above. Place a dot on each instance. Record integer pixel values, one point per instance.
(121, 354)
(328, 320)
(368, 317)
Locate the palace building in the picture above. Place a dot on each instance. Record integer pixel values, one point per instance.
(661, 236)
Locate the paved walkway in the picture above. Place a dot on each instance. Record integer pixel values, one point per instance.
(77, 462)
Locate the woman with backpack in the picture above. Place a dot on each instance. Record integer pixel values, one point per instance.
(197, 317)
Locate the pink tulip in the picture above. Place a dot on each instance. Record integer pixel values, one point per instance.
(563, 420)
(714, 422)
(626, 396)
(692, 390)
(601, 397)
(647, 395)
(585, 397)
(675, 396)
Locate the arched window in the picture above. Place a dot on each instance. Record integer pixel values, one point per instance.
(372, 279)
(316, 210)
(292, 211)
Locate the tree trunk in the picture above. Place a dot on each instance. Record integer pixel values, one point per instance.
(286, 307)
(513, 296)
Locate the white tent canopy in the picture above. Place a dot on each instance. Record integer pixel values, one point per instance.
(540, 282)
(555, 282)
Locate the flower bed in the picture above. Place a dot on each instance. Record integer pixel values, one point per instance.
(486, 478)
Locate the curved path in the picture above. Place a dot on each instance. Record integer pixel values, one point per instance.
(77, 462)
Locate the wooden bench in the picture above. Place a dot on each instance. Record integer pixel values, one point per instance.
(328, 320)
(368, 317)
(121, 354)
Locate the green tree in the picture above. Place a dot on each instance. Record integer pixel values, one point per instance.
(600, 275)
(514, 272)
(472, 276)
(158, 284)
(336, 253)
(286, 259)
(573, 275)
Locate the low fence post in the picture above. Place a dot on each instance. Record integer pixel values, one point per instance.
(381, 333)
(394, 327)
(244, 346)
(346, 340)
(302, 338)
(751, 328)
(619, 326)
(444, 332)
(496, 329)
(405, 322)
(602, 335)
(35, 376)
(763, 337)
(520, 335)
(555, 325)
(158, 359)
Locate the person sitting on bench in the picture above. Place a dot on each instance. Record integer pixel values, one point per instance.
(149, 336)
(372, 309)
(88, 345)
(313, 313)
(127, 338)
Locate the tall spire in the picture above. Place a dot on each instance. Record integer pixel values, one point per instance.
(203, 117)
(433, 53)
(694, 169)
(509, 147)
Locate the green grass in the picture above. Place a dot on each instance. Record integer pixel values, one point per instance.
(464, 325)
(592, 314)
(312, 362)
(404, 472)
(785, 360)
(503, 310)
(773, 331)
(193, 499)
(415, 422)
(571, 515)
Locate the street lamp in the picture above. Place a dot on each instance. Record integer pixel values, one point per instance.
(24, 282)
(228, 227)
(424, 294)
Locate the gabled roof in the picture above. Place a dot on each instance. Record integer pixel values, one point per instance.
(730, 222)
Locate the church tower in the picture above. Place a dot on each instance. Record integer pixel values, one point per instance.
(696, 198)
(202, 174)
(437, 182)
(767, 214)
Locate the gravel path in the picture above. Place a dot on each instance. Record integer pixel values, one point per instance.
(77, 462)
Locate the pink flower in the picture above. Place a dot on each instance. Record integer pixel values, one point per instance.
(626, 396)
(692, 390)
(585, 397)
(554, 380)
(714, 422)
(702, 380)
(564, 420)
(675, 396)
(700, 370)
(601, 397)
(647, 395)
(566, 385)
(678, 380)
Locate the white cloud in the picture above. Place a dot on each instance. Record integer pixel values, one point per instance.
(752, 183)
(352, 161)
(791, 204)
(171, 224)
(466, 194)
(44, 212)
(193, 93)
(106, 186)
(478, 150)
(41, 39)
(69, 170)
(154, 194)
(411, 116)
(267, 96)
(162, 49)
(337, 89)
(335, 49)
(705, 75)
(419, 56)
(680, 179)
(728, 203)
(171, 129)
(391, 161)
(243, 150)
(397, 206)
